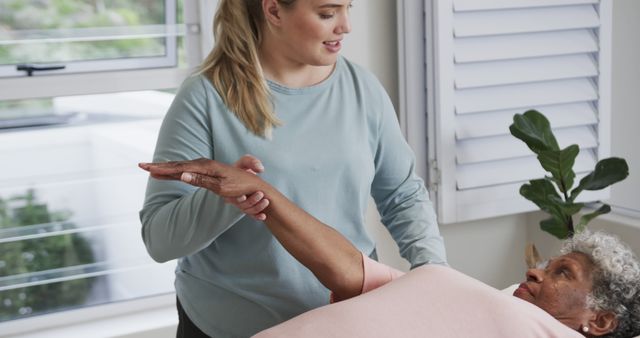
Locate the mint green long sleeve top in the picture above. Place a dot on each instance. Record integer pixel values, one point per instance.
(339, 144)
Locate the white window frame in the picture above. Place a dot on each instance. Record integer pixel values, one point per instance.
(427, 97)
(413, 54)
(199, 41)
(169, 31)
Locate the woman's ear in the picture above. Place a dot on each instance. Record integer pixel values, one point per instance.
(603, 323)
(271, 9)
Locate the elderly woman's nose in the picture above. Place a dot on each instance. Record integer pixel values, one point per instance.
(535, 275)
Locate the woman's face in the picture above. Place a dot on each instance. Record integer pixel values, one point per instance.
(561, 288)
(311, 31)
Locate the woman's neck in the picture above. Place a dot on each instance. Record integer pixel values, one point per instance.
(291, 73)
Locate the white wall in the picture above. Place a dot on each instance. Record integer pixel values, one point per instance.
(625, 110)
(372, 41)
(492, 250)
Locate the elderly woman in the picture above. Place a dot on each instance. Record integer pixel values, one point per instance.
(591, 290)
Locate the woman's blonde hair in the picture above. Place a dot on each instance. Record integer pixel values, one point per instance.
(233, 65)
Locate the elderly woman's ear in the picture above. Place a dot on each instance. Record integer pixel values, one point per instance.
(603, 322)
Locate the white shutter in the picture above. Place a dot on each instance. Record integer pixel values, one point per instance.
(495, 58)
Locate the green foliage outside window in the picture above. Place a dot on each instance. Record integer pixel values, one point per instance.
(28, 256)
(77, 14)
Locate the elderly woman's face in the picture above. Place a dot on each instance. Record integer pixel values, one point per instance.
(561, 288)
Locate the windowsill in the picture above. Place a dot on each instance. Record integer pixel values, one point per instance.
(624, 216)
(151, 317)
(619, 218)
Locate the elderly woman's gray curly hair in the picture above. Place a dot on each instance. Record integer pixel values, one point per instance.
(616, 278)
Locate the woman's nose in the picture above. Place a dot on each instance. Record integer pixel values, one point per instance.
(535, 275)
(344, 26)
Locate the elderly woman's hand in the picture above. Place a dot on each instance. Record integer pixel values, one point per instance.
(238, 184)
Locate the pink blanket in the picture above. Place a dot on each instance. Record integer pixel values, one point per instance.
(430, 301)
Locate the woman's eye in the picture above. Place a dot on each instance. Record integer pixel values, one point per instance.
(326, 16)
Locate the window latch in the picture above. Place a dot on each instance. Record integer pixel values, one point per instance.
(35, 68)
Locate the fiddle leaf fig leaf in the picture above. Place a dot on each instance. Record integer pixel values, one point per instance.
(543, 193)
(555, 227)
(605, 208)
(607, 172)
(534, 129)
(560, 164)
(539, 192)
(567, 208)
(555, 194)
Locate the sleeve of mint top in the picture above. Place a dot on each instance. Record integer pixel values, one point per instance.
(401, 197)
(178, 219)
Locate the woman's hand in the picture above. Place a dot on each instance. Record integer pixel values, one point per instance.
(254, 204)
(226, 181)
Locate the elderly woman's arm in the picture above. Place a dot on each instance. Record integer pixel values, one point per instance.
(330, 256)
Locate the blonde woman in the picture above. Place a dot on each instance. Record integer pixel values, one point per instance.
(327, 137)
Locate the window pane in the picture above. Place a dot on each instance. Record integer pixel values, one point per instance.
(13, 110)
(69, 200)
(31, 50)
(144, 33)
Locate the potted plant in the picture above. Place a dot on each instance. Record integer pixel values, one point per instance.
(556, 194)
(22, 258)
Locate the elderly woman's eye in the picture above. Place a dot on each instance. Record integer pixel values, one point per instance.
(564, 272)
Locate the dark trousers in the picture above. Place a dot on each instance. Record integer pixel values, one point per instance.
(186, 328)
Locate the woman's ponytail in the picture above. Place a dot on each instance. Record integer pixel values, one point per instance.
(234, 68)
